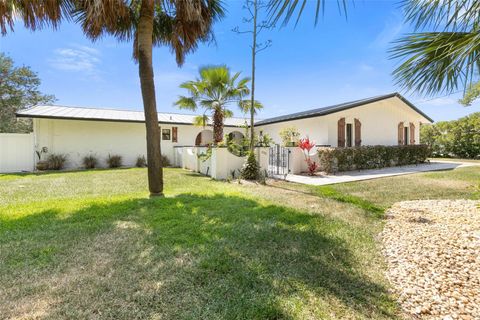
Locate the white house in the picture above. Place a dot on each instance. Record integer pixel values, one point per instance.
(77, 132)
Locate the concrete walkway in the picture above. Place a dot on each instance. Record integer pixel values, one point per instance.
(349, 176)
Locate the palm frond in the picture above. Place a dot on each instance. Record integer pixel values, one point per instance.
(437, 61)
(245, 106)
(35, 14)
(459, 15)
(285, 9)
(201, 121)
(186, 103)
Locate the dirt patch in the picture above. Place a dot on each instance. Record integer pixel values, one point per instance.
(432, 248)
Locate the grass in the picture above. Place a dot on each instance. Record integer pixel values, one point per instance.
(90, 244)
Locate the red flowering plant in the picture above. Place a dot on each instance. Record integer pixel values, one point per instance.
(307, 147)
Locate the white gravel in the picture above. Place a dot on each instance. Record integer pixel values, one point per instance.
(432, 248)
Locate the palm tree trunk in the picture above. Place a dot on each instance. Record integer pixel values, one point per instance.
(218, 125)
(145, 31)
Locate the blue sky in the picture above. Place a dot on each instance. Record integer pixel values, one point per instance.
(308, 66)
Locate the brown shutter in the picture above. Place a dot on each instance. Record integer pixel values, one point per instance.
(400, 133)
(341, 133)
(358, 133)
(412, 133)
(198, 139)
(174, 134)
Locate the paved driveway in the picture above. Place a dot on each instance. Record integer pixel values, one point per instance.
(349, 176)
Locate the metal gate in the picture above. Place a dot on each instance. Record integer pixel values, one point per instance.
(278, 161)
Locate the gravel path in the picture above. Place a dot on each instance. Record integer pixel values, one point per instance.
(432, 250)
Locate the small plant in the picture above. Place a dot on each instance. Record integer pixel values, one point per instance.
(307, 146)
(141, 162)
(56, 161)
(90, 161)
(250, 168)
(165, 161)
(114, 161)
(289, 136)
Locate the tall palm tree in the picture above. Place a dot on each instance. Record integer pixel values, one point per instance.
(179, 24)
(214, 91)
(446, 58)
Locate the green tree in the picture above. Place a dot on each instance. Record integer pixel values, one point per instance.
(447, 57)
(214, 91)
(457, 138)
(471, 94)
(18, 90)
(178, 24)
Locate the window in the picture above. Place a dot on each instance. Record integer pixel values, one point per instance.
(349, 135)
(406, 138)
(165, 134)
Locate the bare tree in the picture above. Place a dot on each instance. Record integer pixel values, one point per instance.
(254, 8)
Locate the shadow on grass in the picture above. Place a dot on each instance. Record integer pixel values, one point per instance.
(331, 193)
(194, 256)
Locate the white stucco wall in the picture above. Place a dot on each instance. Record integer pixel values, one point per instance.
(379, 124)
(16, 152)
(315, 128)
(77, 138)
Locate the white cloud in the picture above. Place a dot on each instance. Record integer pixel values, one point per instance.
(77, 58)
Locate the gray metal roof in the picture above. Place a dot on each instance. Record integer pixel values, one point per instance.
(97, 114)
(338, 107)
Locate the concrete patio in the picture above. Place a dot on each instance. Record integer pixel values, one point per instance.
(350, 176)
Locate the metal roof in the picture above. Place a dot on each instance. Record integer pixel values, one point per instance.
(97, 114)
(339, 107)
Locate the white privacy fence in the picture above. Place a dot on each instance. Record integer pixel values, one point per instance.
(16, 152)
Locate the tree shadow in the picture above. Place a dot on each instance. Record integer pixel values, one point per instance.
(194, 256)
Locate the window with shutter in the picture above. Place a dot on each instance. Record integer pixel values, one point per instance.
(412, 133)
(358, 133)
(174, 134)
(341, 133)
(400, 133)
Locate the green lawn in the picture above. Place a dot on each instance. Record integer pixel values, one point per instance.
(91, 244)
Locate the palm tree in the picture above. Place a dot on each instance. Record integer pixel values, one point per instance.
(181, 25)
(214, 91)
(446, 58)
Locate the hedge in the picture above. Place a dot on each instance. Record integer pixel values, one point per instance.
(333, 160)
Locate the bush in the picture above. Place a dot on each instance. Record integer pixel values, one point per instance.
(56, 161)
(90, 162)
(165, 162)
(250, 168)
(114, 161)
(457, 138)
(141, 162)
(370, 157)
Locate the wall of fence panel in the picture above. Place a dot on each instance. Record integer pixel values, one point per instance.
(17, 152)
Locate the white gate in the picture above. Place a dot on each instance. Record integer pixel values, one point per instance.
(16, 152)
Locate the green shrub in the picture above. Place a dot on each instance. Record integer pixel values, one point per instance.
(90, 161)
(141, 162)
(165, 162)
(370, 157)
(114, 161)
(250, 168)
(56, 161)
(457, 138)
